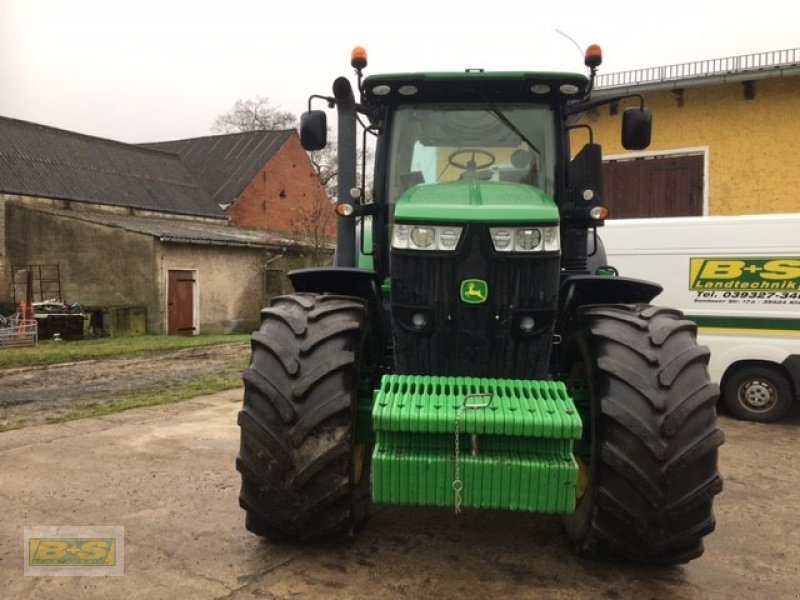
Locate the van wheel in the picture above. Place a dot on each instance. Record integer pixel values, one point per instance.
(758, 393)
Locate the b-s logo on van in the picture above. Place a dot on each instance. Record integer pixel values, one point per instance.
(744, 274)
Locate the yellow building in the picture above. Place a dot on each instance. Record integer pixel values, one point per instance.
(726, 138)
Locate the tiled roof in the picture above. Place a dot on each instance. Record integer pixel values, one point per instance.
(36, 160)
(225, 164)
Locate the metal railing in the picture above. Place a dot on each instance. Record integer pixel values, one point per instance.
(19, 332)
(702, 68)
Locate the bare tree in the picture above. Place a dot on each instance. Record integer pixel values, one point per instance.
(254, 114)
(313, 226)
(324, 162)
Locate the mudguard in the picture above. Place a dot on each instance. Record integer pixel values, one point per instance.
(581, 290)
(343, 281)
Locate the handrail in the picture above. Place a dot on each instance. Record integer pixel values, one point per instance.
(702, 68)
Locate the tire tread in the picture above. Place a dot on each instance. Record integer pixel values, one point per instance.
(296, 423)
(654, 472)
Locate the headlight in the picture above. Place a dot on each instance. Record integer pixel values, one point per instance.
(423, 237)
(502, 239)
(552, 239)
(426, 237)
(448, 238)
(525, 239)
(528, 239)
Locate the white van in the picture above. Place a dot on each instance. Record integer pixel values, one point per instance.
(738, 278)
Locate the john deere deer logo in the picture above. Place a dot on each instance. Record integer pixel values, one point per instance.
(474, 291)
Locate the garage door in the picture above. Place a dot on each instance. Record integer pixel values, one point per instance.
(662, 186)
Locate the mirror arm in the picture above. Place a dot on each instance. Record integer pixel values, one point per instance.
(329, 99)
(583, 126)
(360, 108)
(584, 106)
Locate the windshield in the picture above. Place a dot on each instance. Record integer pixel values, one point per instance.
(438, 143)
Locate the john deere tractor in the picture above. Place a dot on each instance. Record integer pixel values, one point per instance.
(469, 348)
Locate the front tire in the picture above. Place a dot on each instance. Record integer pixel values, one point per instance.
(298, 458)
(649, 452)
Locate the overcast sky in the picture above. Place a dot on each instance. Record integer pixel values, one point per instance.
(151, 70)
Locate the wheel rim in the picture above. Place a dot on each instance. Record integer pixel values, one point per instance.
(758, 395)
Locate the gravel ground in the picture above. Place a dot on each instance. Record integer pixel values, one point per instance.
(166, 474)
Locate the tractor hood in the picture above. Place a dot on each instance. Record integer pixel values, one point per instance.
(476, 202)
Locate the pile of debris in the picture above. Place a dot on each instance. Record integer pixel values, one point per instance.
(56, 319)
(48, 318)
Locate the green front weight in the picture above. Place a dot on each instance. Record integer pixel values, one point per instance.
(514, 439)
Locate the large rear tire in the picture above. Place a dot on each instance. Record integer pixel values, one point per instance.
(303, 475)
(649, 452)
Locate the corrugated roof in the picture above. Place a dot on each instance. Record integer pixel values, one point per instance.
(36, 160)
(226, 164)
(177, 230)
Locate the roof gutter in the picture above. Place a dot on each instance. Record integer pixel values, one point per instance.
(705, 80)
(204, 242)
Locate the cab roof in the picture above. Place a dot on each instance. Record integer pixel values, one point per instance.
(475, 86)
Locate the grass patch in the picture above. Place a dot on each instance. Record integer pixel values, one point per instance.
(10, 425)
(177, 392)
(50, 353)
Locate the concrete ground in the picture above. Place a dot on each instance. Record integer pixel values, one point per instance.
(167, 475)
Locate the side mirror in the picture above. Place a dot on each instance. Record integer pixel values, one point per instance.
(314, 130)
(637, 127)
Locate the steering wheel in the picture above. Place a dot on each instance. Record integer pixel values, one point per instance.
(471, 165)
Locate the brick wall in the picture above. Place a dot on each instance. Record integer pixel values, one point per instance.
(753, 145)
(282, 194)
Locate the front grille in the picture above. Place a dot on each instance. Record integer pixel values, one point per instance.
(483, 340)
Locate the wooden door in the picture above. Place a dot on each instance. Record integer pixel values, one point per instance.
(665, 186)
(180, 303)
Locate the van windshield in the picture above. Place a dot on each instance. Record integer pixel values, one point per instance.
(493, 142)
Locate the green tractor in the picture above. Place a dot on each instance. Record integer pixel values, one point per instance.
(468, 349)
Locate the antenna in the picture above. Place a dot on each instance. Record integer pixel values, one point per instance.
(574, 43)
